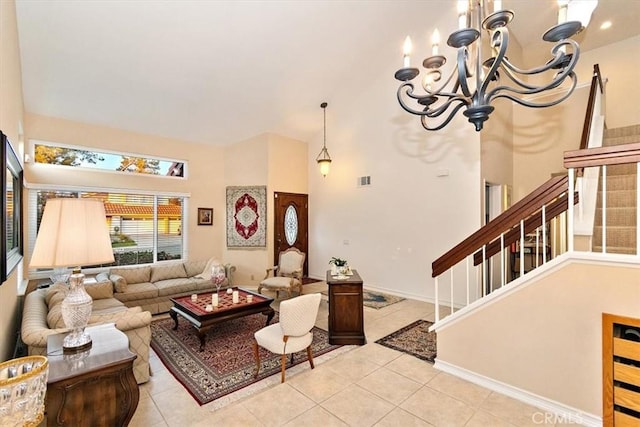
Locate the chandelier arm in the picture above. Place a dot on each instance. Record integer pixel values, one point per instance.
(438, 92)
(531, 89)
(558, 57)
(462, 71)
(503, 34)
(574, 82)
(423, 119)
(409, 92)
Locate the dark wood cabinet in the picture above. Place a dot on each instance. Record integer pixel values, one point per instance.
(95, 387)
(346, 315)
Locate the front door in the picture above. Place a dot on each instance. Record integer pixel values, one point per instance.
(290, 226)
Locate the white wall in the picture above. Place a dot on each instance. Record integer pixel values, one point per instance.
(391, 231)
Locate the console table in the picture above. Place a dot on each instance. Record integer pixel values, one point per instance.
(346, 312)
(95, 387)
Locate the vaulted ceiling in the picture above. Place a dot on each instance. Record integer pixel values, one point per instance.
(217, 71)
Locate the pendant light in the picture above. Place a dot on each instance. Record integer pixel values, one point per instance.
(323, 159)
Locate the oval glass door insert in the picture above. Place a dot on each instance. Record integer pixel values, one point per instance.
(291, 224)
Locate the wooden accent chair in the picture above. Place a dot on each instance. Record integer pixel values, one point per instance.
(287, 275)
(292, 333)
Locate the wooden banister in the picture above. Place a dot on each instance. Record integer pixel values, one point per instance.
(615, 155)
(542, 195)
(596, 83)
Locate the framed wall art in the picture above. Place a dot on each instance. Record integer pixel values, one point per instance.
(247, 217)
(205, 216)
(11, 181)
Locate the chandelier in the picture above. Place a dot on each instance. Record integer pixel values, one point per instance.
(474, 82)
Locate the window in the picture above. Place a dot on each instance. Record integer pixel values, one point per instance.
(144, 228)
(56, 154)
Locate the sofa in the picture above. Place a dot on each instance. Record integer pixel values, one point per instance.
(125, 296)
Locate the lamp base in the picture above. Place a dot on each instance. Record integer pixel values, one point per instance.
(76, 342)
(76, 310)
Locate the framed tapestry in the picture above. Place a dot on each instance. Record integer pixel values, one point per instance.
(247, 217)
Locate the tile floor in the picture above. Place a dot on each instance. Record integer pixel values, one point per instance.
(368, 385)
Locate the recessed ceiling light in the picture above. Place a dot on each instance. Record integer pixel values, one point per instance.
(605, 25)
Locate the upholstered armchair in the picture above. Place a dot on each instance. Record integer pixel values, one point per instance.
(292, 333)
(287, 275)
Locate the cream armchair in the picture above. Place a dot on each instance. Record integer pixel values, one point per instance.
(292, 333)
(287, 275)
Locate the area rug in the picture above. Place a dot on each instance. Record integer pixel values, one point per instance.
(379, 300)
(227, 363)
(414, 339)
(375, 300)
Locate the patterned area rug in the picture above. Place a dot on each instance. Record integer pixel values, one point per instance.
(379, 300)
(414, 339)
(227, 363)
(375, 300)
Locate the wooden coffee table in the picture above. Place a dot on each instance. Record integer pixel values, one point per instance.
(202, 320)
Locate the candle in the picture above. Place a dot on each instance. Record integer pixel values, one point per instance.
(497, 5)
(249, 298)
(435, 41)
(462, 14)
(407, 51)
(236, 297)
(208, 308)
(194, 297)
(214, 300)
(562, 11)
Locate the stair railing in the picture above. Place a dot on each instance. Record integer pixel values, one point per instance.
(526, 216)
(596, 85)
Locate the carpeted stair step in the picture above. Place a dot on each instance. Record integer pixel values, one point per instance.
(617, 237)
(622, 216)
(617, 170)
(618, 198)
(620, 182)
(615, 250)
(611, 136)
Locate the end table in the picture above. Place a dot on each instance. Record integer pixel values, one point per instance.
(95, 387)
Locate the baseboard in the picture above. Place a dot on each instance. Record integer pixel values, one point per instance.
(555, 412)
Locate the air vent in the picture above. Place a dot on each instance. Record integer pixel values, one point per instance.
(364, 181)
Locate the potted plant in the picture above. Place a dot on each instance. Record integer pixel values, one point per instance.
(340, 264)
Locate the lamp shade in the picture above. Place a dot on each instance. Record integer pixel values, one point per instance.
(73, 232)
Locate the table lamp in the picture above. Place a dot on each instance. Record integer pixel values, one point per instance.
(73, 233)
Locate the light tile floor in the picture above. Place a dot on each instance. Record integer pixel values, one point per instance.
(368, 385)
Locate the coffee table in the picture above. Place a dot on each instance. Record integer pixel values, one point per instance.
(202, 320)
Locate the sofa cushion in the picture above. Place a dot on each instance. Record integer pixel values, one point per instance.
(100, 290)
(119, 282)
(58, 288)
(167, 271)
(133, 274)
(54, 317)
(137, 291)
(107, 305)
(206, 272)
(175, 286)
(102, 277)
(194, 267)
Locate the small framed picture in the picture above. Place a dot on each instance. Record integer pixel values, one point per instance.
(205, 216)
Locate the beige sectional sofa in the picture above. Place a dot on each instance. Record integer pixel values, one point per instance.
(126, 296)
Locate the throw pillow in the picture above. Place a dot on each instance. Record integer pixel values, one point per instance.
(206, 273)
(100, 290)
(167, 271)
(119, 282)
(133, 274)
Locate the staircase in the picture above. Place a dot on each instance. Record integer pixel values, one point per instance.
(621, 194)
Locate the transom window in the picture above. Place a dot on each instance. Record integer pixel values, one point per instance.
(55, 154)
